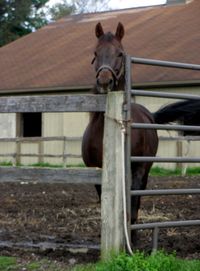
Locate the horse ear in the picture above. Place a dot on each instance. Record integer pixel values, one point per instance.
(120, 31)
(99, 30)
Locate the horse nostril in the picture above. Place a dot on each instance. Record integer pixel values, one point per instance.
(98, 82)
(111, 83)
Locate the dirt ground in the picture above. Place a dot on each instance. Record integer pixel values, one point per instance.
(62, 222)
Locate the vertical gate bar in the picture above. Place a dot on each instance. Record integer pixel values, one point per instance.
(155, 239)
(127, 115)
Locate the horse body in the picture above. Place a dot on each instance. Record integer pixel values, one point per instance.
(92, 144)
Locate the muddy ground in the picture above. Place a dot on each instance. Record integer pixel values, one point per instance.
(38, 220)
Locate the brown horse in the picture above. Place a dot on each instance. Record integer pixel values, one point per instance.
(109, 57)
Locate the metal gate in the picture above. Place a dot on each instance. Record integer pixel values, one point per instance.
(128, 158)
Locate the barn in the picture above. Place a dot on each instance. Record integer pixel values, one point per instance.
(56, 60)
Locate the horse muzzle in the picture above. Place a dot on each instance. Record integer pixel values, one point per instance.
(105, 80)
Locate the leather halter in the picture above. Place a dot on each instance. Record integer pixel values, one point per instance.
(115, 75)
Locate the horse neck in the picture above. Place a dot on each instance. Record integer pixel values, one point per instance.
(97, 118)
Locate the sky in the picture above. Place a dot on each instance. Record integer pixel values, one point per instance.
(120, 4)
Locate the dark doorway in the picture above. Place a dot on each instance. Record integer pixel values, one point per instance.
(31, 124)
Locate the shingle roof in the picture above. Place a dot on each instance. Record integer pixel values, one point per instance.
(59, 55)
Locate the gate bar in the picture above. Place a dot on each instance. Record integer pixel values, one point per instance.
(161, 63)
(127, 143)
(166, 224)
(158, 94)
(163, 192)
(165, 159)
(165, 127)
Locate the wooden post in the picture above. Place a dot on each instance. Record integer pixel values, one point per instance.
(112, 233)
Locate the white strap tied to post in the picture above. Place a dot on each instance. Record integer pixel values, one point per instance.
(123, 130)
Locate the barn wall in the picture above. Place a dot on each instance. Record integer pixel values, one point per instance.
(8, 129)
(7, 125)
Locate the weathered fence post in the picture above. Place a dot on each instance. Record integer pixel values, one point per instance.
(112, 233)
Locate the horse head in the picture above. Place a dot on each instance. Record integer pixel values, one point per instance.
(109, 59)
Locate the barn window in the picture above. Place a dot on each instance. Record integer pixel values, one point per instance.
(31, 125)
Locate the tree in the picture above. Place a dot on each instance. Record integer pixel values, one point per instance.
(60, 10)
(65, 7)
(20, 17)
(83, 6)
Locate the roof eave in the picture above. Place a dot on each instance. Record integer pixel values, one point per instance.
(87, 88)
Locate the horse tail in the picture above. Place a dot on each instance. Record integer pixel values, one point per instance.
(187, 111)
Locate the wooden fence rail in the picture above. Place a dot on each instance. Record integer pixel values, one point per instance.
(53, 103)
(50, 175)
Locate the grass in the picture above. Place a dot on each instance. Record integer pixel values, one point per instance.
(157, 171)
(159, 261)
(139, 262)
(12, 264)
(6, 164)
(7, 262)
(49, 165)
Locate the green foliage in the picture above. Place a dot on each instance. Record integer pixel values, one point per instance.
(87, 6)
(46, 165)
(159, 261)
(60, 10)
(6, 263)
(157, 171)
(6, 164)
(66, 7)
(34, 266)
(20, 17)
(193, 171)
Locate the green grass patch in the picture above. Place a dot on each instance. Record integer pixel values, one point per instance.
(158, 171)
(45, 165)
(6, 263)
(193, 171)
(159, 261)
(139, 262)
(49, 165)
(6, 164)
